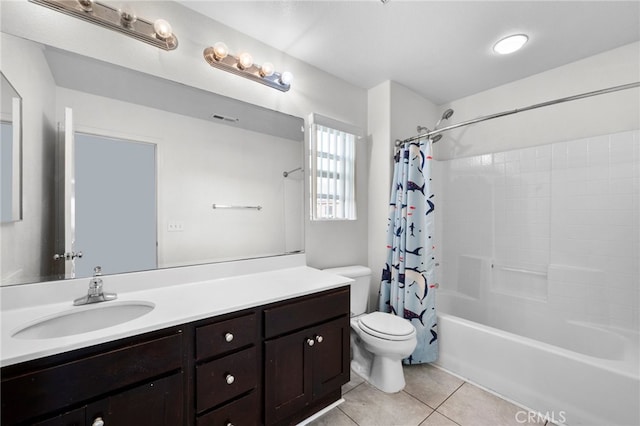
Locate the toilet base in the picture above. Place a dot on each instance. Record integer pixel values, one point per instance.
(387, 374)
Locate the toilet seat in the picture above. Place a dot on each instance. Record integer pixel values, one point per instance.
(386, 326)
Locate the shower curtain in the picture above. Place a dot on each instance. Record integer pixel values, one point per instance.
(407, 285)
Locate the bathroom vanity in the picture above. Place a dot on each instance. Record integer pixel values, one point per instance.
(276, 362)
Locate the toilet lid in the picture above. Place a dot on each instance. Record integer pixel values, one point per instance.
(387, 326)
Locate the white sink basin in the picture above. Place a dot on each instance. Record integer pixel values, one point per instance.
(84, 319)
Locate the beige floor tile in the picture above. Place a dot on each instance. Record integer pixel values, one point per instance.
(430, 384)
(472, 406)
(368, 406)
(355, 381)
(437, 419)
(334, 417)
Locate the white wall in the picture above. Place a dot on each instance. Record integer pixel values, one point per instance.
(327, 244)
(394, 113)
(597, 115)
(25, 252)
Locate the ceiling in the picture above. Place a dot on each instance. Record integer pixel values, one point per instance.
(439, 49)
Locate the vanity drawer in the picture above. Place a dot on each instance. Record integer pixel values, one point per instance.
(225, 378)
(244, 411)
(224, 336)
(306, 312)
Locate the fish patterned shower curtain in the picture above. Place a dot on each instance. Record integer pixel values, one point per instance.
(408, 279)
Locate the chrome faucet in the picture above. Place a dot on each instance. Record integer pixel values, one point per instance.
(95, 293)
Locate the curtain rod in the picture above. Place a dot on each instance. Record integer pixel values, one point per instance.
(517, 110)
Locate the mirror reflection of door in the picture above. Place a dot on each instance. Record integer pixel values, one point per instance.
(10, 152)
(110, 204)
(115, 205)
(6, 171)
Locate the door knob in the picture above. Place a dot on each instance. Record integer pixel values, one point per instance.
(67, 256)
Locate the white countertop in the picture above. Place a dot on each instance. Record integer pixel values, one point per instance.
(174, 305)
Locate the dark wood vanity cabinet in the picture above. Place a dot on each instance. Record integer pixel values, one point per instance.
(135, 378)
(274, 364)
(306, 354)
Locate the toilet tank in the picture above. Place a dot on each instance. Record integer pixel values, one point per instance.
(359, 287)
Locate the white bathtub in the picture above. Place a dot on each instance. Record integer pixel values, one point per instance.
(599, 387)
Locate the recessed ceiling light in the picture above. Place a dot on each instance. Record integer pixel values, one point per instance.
(510, 44)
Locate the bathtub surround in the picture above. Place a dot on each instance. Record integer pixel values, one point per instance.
(550, 256)
(556, 227)
(408, 284)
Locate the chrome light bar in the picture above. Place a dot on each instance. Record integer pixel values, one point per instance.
(158, 33)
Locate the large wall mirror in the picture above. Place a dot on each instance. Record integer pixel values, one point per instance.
(10, 152)
(138, 163)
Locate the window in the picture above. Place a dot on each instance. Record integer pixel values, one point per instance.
(332, 155)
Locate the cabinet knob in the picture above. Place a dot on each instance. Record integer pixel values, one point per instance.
(98, 422)
(230, 379)
(310, 342)
(228, 424)
(228, 337)
(319, 339)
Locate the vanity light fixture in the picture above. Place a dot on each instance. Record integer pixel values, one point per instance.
(510, 44)
(124, 20)
(218, 56)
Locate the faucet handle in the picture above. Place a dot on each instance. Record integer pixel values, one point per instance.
(97, 271)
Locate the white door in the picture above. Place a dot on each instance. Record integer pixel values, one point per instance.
(109, 208)
(115, 204)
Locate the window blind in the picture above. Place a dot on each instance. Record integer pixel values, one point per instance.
(332, 154)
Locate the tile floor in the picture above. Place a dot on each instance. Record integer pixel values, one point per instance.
(432, 397)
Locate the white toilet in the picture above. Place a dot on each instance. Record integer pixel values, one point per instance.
(379, 341)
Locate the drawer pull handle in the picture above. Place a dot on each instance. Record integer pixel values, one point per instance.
(228, 337)
(310, 342)
(98, 422)
(319, 339)
(230, 379)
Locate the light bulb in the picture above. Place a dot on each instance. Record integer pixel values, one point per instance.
(220, 51)
(127, 15)
(510, 44)
(267, 69)
(245, 61)
(286, 78)
(86, 5)
(163, 29)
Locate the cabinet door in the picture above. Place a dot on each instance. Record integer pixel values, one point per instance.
(330, 356)
(156, 403)
(287, 376)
